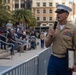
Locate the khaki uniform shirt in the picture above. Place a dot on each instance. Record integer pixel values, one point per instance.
(63, 38)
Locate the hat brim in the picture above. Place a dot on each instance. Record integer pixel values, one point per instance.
(61, 11)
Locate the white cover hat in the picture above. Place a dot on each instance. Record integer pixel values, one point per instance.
(63, 8)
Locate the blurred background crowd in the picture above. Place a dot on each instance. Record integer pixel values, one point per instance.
(21, 36)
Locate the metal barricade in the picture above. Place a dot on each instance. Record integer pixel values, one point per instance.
(28, 67)
(43, 59)
(36, 65)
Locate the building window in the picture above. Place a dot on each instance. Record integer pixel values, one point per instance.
(4, 1)
(8, 1)
(16, 5)
(38, 18)
(50, 18)
(28, 5)
(44, 24)
(8, 7)
(16, 0)
(38, 4)
(50, 24)
(63, 3)
(44, 18)
(56, 4)
(22, 5)
(22, 0)
(44, 4)
(50, 4)
(44, 11)
(50, 11)
(38, 11)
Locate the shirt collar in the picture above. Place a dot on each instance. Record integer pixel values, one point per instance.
(67, 25)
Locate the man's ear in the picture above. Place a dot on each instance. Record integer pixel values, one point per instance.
(66, 15)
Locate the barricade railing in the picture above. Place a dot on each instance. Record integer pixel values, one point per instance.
(43, 59)
(36, 65)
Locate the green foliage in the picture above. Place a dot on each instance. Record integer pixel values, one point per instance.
(24, 15)
(0, 2)
(4, 13)
(17, 16)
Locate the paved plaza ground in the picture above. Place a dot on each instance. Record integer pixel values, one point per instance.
(19, 58)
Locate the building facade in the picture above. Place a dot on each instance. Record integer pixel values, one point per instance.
(74, 11)
(44, 11)
(9, 4)
(18, 4)
(74, 7)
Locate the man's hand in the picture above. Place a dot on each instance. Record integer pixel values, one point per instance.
(48, 40)
(51, 32)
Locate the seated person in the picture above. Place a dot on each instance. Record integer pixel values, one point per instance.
(27, 43)
(20, 33)
(11, 39)
(2, 36)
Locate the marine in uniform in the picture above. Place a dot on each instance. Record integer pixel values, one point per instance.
(61, 38)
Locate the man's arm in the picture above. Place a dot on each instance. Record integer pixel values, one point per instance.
(48, 41)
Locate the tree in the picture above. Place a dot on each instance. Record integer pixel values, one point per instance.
(4, 13)
(0, 2)
(24, 15)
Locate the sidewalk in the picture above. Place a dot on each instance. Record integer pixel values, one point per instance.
(19, 57)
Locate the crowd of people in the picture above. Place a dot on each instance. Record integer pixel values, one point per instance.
(20, 36)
